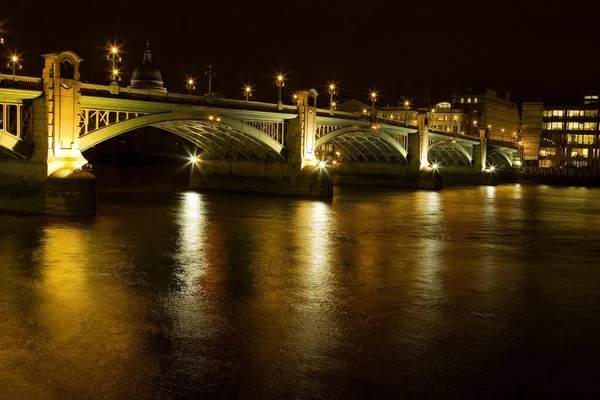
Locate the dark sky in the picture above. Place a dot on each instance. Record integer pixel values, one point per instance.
(548, 48)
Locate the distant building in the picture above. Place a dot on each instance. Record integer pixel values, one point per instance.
(354, 106)
(448, 119)
(562, 134)
(146, 76)
(488, 109)
(443, 118)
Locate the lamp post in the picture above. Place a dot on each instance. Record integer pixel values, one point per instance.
(332, 93)
(373, 100)
(502, 135)
(210, 75)
(190, 85)
(2, 48)
(280, 84)
(13, 64)
(406, 107)
(431, 116)
(114, 60)
(248, 92)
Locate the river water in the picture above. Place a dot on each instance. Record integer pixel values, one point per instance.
(465, 293)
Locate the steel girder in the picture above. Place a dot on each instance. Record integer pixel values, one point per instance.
(499, 159)
(448, 154)
(224, 137)
(362, 143)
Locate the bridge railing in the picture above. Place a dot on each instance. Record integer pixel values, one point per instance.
(21, 82)
(131, 93)
(504, 143)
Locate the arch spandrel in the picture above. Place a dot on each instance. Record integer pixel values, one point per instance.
(363, 143)
(448, 153)
(227, 133)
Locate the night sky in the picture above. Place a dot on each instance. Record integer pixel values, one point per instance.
(545, 48)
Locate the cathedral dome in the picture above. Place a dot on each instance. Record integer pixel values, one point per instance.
(146, 76)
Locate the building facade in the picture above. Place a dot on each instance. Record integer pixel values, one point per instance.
(491, 110)
(562, 134)
(447, 119)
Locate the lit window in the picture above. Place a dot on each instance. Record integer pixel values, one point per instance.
(468, 100)
(581, 126)
(462, 99)
(575, 113)
(547, 151)
(579, 152)
(589, 126)
(475, 100)
(553, 126)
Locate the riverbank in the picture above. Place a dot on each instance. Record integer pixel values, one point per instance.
(561, 176)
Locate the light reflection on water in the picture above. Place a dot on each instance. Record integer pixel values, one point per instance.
(458, 293)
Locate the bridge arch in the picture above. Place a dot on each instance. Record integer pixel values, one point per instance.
(448, 153)
(220, 136)
(499, 159)
(363, 143)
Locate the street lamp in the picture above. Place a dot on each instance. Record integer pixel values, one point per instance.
(114, 60)
(406, 107)
(332, 92)
(248, 92)
(190, 85)
(280, 84)
(2, 49)
(13, 64)
(502, 135)
(431, 116)
(210, 75)
(373, 100)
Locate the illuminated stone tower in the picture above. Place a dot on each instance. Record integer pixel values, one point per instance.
(307, 116)
(62, 93)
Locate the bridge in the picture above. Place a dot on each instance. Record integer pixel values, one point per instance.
(47, 123)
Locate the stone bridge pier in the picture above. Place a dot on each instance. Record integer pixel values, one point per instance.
(51, 180)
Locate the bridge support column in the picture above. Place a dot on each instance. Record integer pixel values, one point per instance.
(51, 181)
(480, 152)
(307, 116)
(418, 144)
(481, 174)
(477, 157)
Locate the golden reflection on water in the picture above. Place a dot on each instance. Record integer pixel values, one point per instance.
(433, 240)
(191, 220)
(76, 313)
(198, 254)
(313, 234)
(199, 293)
